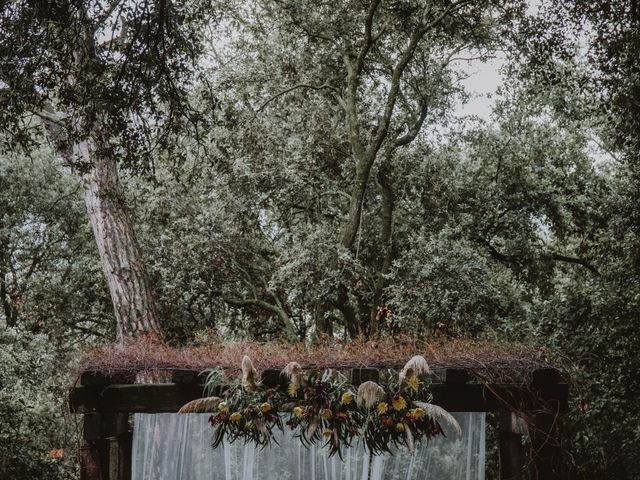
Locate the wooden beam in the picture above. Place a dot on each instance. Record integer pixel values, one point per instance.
(91, 378)
(120, 456)
(464, 397)
(361, 375)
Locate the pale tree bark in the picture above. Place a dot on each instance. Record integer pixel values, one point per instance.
(133, 300)
(134, 303)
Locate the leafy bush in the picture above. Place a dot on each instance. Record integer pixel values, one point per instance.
(33, 425)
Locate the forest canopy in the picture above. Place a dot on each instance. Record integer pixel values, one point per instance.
(301, 171)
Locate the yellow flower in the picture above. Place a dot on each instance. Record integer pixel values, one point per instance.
(265, 407)
(326, 413)
(413, 382)
(327, 432)
(383, 407)
(293, 390)
(235, 417)
(399, 403)
(400, 427)
(417, 413)
(298, 411)
(223, 407)
(347, 398)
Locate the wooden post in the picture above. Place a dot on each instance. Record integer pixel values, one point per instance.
(546, 448)
(511, 451)
(105, 453)
(545, 435)
(120, 456)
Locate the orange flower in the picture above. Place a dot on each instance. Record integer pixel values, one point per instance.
(347, 398)
(265, 407)
(383, 407)
(235, 416)
(58, 453)
(326, 413)
(400, 427)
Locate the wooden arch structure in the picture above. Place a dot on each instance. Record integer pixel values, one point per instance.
(531, 405)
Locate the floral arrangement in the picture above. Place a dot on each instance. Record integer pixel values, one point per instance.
(245, 410)
(400, 414)
(324, 407)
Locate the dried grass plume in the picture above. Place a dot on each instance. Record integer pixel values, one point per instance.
(416, 365)
(201, 405)
(439, 415)
(369, 393)
(249, 375)
(294, 373)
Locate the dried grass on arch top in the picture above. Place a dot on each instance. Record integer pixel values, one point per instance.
(145, 354)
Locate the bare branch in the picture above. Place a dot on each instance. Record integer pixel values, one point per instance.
(296, 87)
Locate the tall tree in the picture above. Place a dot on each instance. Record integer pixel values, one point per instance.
(104, 78)
(354, 86)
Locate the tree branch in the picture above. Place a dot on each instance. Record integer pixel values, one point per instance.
(282, 315)
(495, 253)
(295, 87)
(575, 260)
(415, 128)
(353, 76)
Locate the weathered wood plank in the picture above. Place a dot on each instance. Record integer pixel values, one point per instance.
(455, 397)
(97, 426)
(510, 448)
(95, 379)
(546, 448)
(546, 376)
(120, 457)
(361, 375)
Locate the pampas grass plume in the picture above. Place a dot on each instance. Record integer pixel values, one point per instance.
(416, 365)
(201, 405)
(369, 393)
(249, 375)
(439, 415)
(293, 371)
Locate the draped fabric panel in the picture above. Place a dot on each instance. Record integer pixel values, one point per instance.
(171, 446)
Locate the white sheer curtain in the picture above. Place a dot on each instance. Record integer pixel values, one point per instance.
(171, 446)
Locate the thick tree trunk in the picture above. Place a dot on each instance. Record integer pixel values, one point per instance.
(134, 303)
(352, 226)
(133, 300)
(388, 205)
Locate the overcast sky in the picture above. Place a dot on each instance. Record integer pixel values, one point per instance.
(483, 81)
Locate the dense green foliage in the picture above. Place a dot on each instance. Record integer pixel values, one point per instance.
(525, 226)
